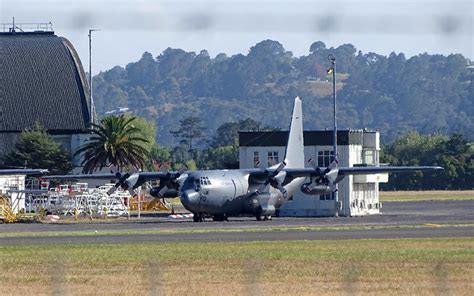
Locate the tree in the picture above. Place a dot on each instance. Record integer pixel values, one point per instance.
(147, 130)
(225, 157)
(454, 154)
(190, 129)
(144, 72)
(428, 93)
(160, 158)
(115, 141)
(227, 134)
(36, 149)
(317, 46)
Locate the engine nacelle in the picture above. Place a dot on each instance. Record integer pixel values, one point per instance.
(169, 193)
(268, 210)
(315, 189)
(257, 204)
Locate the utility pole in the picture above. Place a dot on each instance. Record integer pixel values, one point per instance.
(90, 75)
(471, 68)
(332, 70)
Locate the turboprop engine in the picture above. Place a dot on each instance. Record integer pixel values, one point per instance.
(159, 192)
(323, 182)
(169, 185)
(258, 204)
(312, 188)
(252, 205)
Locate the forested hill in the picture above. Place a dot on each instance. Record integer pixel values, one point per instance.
(427, 93)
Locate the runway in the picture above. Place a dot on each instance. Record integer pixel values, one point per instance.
(398, 220)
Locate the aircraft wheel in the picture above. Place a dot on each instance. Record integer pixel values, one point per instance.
(258, 215)
(219, 218)
(267, 217)
(198, 217)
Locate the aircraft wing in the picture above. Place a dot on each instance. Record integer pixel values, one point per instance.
(342, 171)
(142, 175)
(23, 171)
(130, 181)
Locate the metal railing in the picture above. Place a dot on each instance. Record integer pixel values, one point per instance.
(26, 27)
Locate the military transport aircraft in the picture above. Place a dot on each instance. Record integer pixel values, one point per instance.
(257, 192)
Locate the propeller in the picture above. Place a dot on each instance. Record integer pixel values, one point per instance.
(275, 179)
(328, 176)
(171, 180)
(127, 181)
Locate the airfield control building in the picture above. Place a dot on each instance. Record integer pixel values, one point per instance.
(358, 195)
(42, 81)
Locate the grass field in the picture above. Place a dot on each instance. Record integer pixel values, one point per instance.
(404, 266)
(394, 196)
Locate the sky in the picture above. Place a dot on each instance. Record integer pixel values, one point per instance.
(129, 28)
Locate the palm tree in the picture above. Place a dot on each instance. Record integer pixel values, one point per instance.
(115, 141)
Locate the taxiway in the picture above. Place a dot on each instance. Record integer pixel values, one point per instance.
(398, 220)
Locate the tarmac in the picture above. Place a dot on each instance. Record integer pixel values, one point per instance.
(398, 220)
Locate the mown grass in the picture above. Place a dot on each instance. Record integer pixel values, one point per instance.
(217, 230)
(402, 196)
(403, 266)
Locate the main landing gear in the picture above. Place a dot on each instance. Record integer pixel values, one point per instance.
(198, 217)
(220, 218)
(261, 217)
(264, 217)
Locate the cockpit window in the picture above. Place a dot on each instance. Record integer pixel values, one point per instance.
(205, 181)
(197, 185)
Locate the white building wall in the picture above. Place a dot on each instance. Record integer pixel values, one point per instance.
(358, 194)
(364, 198)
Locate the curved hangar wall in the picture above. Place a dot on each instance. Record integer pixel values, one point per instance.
(42, 80)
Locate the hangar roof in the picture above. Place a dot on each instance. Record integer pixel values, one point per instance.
(41, 80)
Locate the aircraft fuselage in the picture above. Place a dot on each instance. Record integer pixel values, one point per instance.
(227, 193)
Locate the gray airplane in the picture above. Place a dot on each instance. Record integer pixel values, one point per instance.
(256, 192)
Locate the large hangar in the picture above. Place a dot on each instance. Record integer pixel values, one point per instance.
(42, 81)
(358, 195)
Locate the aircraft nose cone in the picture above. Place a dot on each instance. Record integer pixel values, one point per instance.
(190, 200)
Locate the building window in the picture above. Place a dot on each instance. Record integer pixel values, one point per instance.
(325, 157)
(256, 159)
(272, 158)
(368, 157)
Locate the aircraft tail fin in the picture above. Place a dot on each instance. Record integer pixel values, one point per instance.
(294, 155)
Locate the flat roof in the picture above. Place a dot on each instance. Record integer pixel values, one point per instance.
(310, 138)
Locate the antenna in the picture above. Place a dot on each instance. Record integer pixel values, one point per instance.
(90, 74)
(12, 29)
